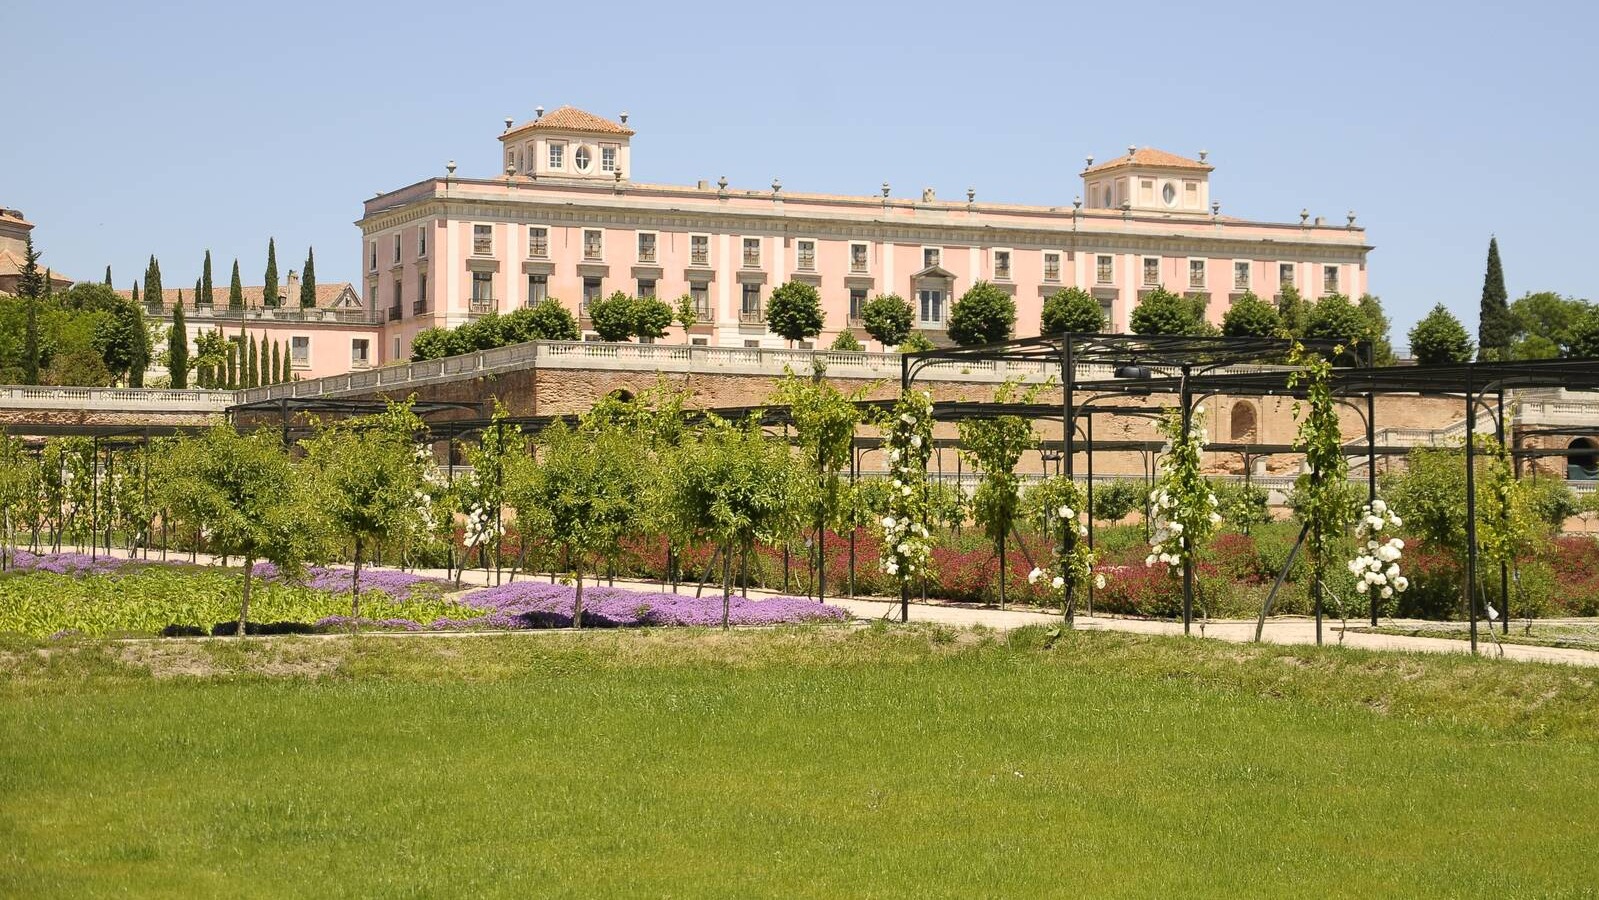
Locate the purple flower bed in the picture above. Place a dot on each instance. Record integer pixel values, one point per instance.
(65, 563)
(398, 585)
(531, 604)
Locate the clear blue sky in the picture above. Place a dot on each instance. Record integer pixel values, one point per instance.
(168, 128)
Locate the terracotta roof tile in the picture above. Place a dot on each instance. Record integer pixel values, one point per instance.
(570, 118)
(1149, 156)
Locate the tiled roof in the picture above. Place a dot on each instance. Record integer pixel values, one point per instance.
(570, 118)
(325, 295)
(1149, 156)
(11, 264)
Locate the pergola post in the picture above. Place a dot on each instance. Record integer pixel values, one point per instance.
(1371, 471)
(904, 586)
(1185, 397)
(1471, 510)
(1504, 512)
(1068, 426)
(1088, 422)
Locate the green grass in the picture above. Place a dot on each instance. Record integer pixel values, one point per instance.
(803, 762)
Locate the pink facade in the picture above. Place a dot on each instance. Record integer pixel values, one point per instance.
(439, 252)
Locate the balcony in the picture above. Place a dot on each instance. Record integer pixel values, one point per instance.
(751, 317)
(481, 307)
(418, 307)
(646, 255)
(395, 313)
(703, 311)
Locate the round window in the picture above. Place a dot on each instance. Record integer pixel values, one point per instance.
(583, 159)
(1169, 194)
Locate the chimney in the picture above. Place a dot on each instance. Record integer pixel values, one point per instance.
(703, 185)
(1320, 221)
(291, 289)
(928, 196)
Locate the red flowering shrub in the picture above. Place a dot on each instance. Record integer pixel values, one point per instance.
(1235, 557)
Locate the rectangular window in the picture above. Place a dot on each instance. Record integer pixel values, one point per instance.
(1285, 274)
(591, 290)
(751, 344)
(360, 353)
(1105, 269)
(396, 303)
(930, 257)
(1051, 266)
(482, 240)
(1191, 194)
(422, 241)
(557, 154)
(396, 248)
(805, 255)
(420, 304)
(482, 291)
(857, 259)
(607, 157)
(1329, 279)
(749, 308)
(699, 250)
(1146, 191)
(372, 257)
(857, 299)
(1240, 276)
(538, 289)
(701, 294)
(700, 342)
(752, 253)
(646, 287)
(593, 243)
(300, 351)
(1151, 271)
(932, 306)
(538, 242)
(646, 247)
(1002, 265)
(1196, 274)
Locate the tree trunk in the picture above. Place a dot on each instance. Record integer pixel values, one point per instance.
(1002, 571)
(355, 585)
(577, 604)
(244, 608)
(727, 584)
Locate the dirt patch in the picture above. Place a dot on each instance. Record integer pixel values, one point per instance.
(186, 659)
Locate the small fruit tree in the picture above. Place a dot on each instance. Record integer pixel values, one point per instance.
(994, 446)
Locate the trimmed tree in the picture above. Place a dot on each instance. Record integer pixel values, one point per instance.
(994, 447)
(1294, 310)
(178, 349)
(794, 311)
(269, 292)
(1439, 339)
(252, 374)
(1250, 316)
(235, 289)
(308, 280)
(275, 373)
(1336, 318)
(613, 317)
(1585, 335)
(30, 286)
(651, 317)
(985, 314)
(123, 343)
(206, 288)
(687, 314)
(154, 296)
(107, 281)
(846, 341)
(887, 318)
(1163, 312)
(1495, 327)
(1071, 310)
(232, 378)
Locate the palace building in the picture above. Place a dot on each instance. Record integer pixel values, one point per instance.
(566, 219)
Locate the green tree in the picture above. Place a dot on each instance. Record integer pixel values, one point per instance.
(206, 290)
(794, 311)
(1585, 335)
(29, 287)
(308, 280)
(915, 342)
(651, 317)
(847, 342)
(1294, 310)
(1335, 318)
(210, 358)
(549, 320)
(232, 380)
(270, 297)
(887, 318)
(178, 349)
(275, 373)
(1322, 497)
(252, 372)
(235, 290)
(1113, 501)
(613, 318)
(1495, 326)
(985, 314)
(994, 447)
(1439, 339)
(433, 343)
(1382, 348)
(1543, 325)
(123, 343)
(687, 314)
(366, 477)
(154, 296)
(1071, 310)
(107, 281)
(824, 430)
(245, 494)
(1162, 312)
(1250, 316)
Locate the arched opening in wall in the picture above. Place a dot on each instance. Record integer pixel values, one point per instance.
(1583, 463)
(1244, 423)
(621, 395)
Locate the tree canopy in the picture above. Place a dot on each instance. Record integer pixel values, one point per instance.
(985, 314)
(1071, 310)
(1250, 316)
(1439, 339)
(1163, 312)
(794, 311)
(887, 318)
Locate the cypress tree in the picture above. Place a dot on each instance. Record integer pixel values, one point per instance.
(178, 347)
(277, 364)
(308, 280)
(269, 293)
(135, 293)
(288, 366)
(203, 291)
(232, 382)
(29, 287)
(197, 293)
(1495, 327)
(48, 287)
(235, 290)
(252, 375)
(139, 358)
(107, 276)
(153, 295)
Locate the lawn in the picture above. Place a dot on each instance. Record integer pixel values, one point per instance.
(810, 761)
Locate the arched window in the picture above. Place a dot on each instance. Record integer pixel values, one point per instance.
(1584, 464)
(1243, 423)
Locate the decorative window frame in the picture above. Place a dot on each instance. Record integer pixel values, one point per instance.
(638, 256)
(760, 251)
(699, 264)
(529, 243)
(474, 226)
(937, 263)
(1249, 276)
(1143, 271)
(866, 266)
(1204, 283)
(583, 250)
(993, 263)
(815, 254)
(1060, 259)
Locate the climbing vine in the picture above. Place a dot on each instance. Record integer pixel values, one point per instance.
(1185, 510)
(1322, 497)
(907, 545)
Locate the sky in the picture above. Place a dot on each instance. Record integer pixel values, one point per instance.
(175, 127)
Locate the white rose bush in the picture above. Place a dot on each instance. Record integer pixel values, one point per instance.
(1375, 566)
(907, 543)
(1073, 560)
(1184, 510)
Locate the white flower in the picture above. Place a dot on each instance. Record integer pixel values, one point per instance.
(1099, 580)
(1396, 521)
(903, 549)
(907, 418)
(1199, 410)
(1065, 512)
(916, 440)
(1387, 592)
(1057, 582)
(906, 490)
(1082, 531)
(1396, 543)
(888, 522)
(1212, 500)
(1392, 571)
(1215, 518)
(1033, 576)
(1176, 528)
(1378, 506)
(1401, 583)
(1360, 586)
(1149, 560)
